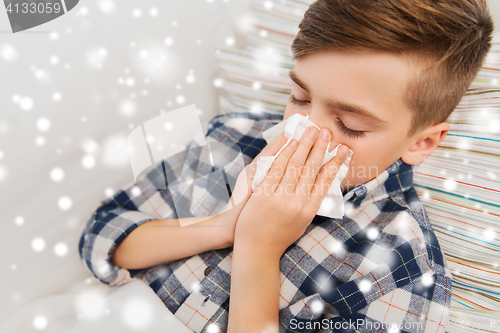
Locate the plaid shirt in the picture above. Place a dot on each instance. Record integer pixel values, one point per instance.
(380, 265)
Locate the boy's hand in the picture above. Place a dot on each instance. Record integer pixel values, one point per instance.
(243, 190)
(286, 201)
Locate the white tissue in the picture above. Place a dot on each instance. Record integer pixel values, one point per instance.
(333, 204)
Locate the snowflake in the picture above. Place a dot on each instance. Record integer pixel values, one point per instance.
(65, 203)
(40, 322)
(364, 286)
(57, 174)
(38, 244)
(61, 249)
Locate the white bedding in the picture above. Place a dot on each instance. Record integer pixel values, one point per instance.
(93, 307)
(71, 92)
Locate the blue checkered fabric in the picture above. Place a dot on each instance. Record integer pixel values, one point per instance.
(378, 269)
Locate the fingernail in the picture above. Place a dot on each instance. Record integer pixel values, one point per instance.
(313, 132)
(282, 140)
(325, 133)
(344, 151)
(293, 143)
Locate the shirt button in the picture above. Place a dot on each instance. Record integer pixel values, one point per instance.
(208, 270)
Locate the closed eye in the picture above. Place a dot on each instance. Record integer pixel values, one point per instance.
(297, 101)
(346, 130)
(349, 132)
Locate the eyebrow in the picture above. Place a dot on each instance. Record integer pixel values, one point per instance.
(353, 108)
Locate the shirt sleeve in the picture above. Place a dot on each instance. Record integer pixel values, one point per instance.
(148, 198)
(115, 219)
(394, 287)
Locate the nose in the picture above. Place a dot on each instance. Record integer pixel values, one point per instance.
(318, 121)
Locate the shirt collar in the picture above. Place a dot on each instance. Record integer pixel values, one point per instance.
(395, 179)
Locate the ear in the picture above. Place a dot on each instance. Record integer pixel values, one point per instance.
(425, 142)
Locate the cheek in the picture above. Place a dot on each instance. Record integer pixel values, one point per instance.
(365, 153)
(290, 110)
(370, 159)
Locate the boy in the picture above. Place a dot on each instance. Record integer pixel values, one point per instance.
(379, 77)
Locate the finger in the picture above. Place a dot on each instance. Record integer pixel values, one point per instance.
(313, 163)
(299, 157)
(328, 174)
(277, 170)
(272, 147)
(275, 145)
(269, 150)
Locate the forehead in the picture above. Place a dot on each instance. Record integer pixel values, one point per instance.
(374, 81)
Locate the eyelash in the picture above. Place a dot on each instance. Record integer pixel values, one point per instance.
(351, 133)
(347, 131)
(297, 101)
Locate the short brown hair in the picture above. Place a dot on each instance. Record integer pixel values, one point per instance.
(451, 37)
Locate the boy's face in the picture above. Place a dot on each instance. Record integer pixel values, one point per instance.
(358, 96)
